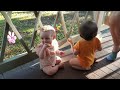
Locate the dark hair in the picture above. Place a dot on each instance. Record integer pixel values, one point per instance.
(88, 30)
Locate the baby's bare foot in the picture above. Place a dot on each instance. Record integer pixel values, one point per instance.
(61, 65)
(58, 62)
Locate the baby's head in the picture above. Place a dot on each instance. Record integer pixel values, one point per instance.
(88, 30)
(47, 34)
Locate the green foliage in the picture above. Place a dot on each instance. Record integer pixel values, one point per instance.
(24, 22)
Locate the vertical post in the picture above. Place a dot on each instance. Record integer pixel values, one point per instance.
(96, 15)
(37, 23)
(63, 23)
(101, 18)
(8, 20)
(39, 20)
(56, 19)
(74, 20)
(4, 40)
(86, 15)
(77, 18)
(100, 22)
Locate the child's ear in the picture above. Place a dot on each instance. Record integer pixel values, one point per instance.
(54, 36)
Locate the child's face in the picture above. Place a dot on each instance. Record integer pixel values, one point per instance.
(46, 37)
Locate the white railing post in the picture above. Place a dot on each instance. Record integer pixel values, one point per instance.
(99, 18)
(95, 15)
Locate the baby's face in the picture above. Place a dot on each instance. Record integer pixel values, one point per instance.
(46, 37)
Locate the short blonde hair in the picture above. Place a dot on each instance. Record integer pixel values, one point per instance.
(47, 28)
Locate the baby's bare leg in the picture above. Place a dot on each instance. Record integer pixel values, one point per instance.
(58, 60)
(76, 64)
(50, 70)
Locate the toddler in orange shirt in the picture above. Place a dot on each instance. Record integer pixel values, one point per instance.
(85, 49)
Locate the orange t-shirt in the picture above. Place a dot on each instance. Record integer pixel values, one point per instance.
(87, 51)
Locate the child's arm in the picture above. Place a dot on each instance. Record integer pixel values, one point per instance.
(71, 44)
(38, 48)
(75, 52)
(99, 47)
(41, 54)
(50, 52)
(60, 53)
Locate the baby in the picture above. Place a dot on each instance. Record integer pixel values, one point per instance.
(48, 51)
(85, 49)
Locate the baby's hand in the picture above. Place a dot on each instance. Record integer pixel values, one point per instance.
(69, 40)
(40, 45)
(46, 45)
(52, 53)
(62, 53)
(49, 53)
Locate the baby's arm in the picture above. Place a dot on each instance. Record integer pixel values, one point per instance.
(99, 47)
(71, 44)
(44, 47)
(38, 48)
(60, 53)
(75, 52)
(50, 52)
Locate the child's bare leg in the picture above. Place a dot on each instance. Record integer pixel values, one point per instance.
(61, 65)
(50, 70)
(59, 60)
(95, 60)
(114, 23)
(116, 40)
(80, 68)
(76, 64)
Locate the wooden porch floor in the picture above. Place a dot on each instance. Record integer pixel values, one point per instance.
(101, 70)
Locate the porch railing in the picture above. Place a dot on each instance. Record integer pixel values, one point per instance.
(30, 55)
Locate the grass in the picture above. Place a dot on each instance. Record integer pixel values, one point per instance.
(24, 22)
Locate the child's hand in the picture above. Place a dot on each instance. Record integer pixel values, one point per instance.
(52, 53)
(38, 48)
(47, 52)
(62, 53)
(40, 45)
(46, 45)
(69, 40)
